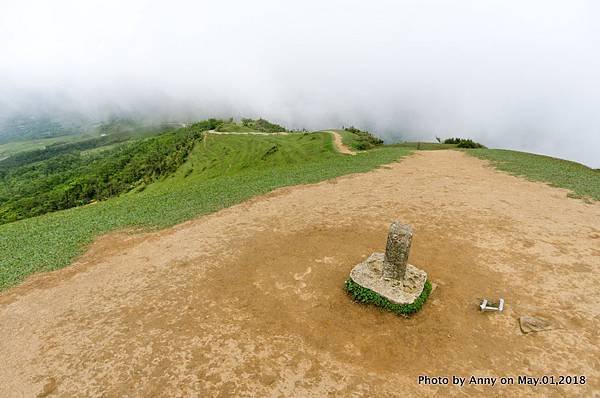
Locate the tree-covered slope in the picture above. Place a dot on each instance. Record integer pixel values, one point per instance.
(62, 176)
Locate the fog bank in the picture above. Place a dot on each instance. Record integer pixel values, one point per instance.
(522, 75)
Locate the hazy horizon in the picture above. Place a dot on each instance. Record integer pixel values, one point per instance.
(507, 74)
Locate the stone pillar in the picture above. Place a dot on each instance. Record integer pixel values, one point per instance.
(397, 250)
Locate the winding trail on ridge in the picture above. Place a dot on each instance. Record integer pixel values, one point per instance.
(249, 300)
(339, 144)
(337, 138)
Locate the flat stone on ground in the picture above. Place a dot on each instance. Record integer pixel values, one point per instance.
(369, 274)
(531, 324)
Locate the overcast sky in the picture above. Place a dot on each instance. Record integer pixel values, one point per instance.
(512, 74)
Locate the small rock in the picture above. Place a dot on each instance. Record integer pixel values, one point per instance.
(531, 324)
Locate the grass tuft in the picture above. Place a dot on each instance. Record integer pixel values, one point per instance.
(367, 296)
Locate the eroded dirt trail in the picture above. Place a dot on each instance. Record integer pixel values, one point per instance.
(339, 144)
(249, 300)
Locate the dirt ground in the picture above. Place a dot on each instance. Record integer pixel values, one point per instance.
(250, 300)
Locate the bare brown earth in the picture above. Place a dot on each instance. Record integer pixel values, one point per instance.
(249, 300)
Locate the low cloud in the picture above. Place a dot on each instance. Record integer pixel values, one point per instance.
(522, 75)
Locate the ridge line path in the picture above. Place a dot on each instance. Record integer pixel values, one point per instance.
(337, 138)
(244, 132)
(339, 144)
(250, 301)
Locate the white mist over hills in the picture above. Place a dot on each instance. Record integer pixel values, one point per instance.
(522, 75)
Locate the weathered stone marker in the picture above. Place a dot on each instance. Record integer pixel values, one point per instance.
(389, 274)
(397, 250)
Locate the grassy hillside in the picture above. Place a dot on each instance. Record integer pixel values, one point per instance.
(26, 128)
(13, 143)
(250, 125)
(581, 180)
(220, 171)
(358, 139)
(111, 158)
(62, 176)
(12, 148)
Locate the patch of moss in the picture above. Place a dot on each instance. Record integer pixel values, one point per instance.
(367, 296)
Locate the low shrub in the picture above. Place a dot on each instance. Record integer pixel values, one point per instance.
(263, 125)
(469, 144)
(364, 139)
(463, 143)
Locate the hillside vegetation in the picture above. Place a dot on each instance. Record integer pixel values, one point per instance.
(250, 125)
(13, 142)
(359, 139)
(62, 176)
(218, 172)
(463, 143)
(24, 128)
(9, 149)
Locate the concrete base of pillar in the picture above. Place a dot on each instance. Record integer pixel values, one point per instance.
(369, 274)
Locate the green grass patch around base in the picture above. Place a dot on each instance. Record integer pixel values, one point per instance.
(367, 296)
(583, 181)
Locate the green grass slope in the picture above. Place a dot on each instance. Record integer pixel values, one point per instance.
(68, 175)
(234, 128)
(357, 139)
(581, 180)
(250, 125)
(221, 171)
(13, 143)
(349, 139)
